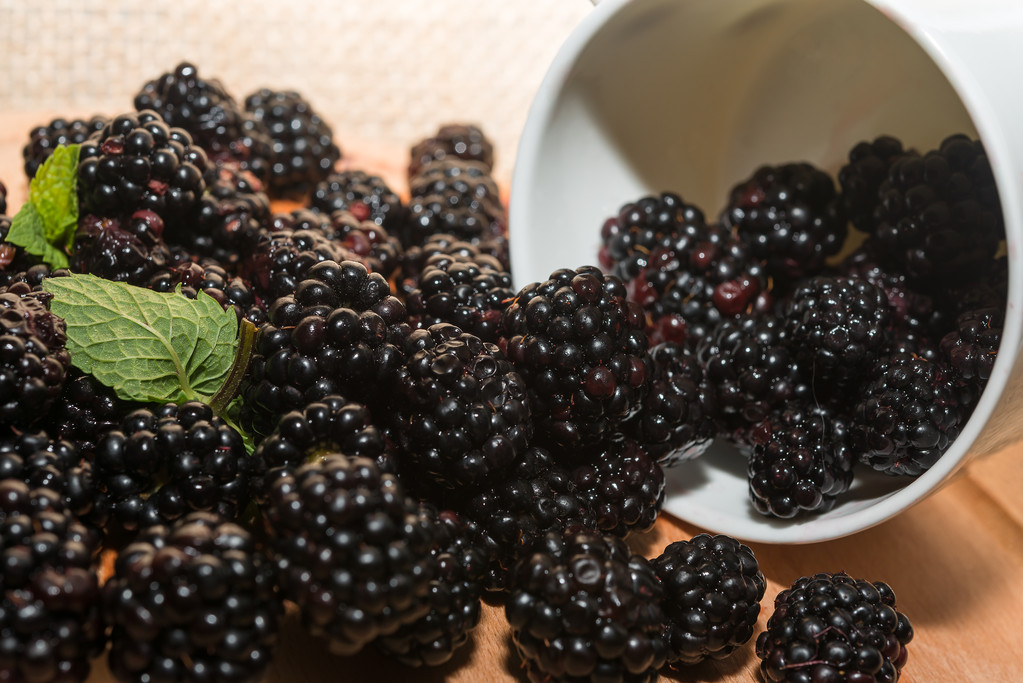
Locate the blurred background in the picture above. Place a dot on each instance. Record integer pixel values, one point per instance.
(383, 72)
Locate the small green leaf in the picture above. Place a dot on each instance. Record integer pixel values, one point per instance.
(27, 232)
(147, 346)
(54, 192)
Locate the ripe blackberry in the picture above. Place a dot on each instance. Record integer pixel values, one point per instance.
(205, 109)
(123, 250)
(454, 598)
(471, 295)
(907, 416)
(85, 411)
(165, 462)
(139, 162)
(860, 179)
(537, 495)
(991, 290)
(453, 140)
(366, 196)
(457, 197)
(832, 627)
(232, 293)
(712, 592)
(791, 217)
(440, 246)
(51, 625)
(801, 460)
(623, 486)
(33, 359)
(838, 327)
(368, 242)
(192, 601)
(972, 347)
(584, 608)
(581, 347)
(939, 215)
(42, 140)
(303, 146)
(281, 259)
(676, 420)
(461, 411)
(352, 551)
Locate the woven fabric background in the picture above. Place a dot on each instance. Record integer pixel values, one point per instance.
(387, 71)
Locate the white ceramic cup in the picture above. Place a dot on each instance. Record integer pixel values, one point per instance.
(690, 96)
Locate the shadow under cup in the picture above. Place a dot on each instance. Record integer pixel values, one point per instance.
(648, 96)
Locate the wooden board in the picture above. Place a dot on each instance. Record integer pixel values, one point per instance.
(954, 560)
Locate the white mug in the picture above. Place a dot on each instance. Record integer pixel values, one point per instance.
(690, 96)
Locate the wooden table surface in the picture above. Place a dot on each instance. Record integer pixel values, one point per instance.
(955, 560)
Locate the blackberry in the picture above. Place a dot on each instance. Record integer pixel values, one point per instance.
(676, 420)
(581, 347)
(938, 215)
(457, 197)
(205, 109)
(453, 140)
(838, 327)
(972, 347)
(33, 359)
(832, 627)
(623, 486)
(586, 609)
(907, 416)
(281, 259)
(42, 140)
(193, 601)
(791, 217)
(123, 250)
(454, 598)
(366, 196)
(802, 459)
(85, 411)
(440, 246)
(304, 152)
(860, 179)
(51, 625)
(139, 162)
(461, 410)
(536, 496)
(712, 592)
(469, 294)
(352, 551)
(165, 462)
(232, 293)
(368, 242)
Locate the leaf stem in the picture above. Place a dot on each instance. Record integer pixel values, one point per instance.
(247, 334)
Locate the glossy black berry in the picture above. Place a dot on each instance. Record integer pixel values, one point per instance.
(42, 140)
(366, 196)
(457, 197)
(452, 140)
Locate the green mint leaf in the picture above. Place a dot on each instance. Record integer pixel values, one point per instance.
(147, 346)
(27, 232)
(54, 192)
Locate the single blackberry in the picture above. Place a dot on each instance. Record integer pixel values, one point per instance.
(232, 293)
(457, 197)
(990, 290)
(340, 333)
(165, 462)
(368, 242)
(461, 411)
(908, 415)
(676, 420)
(454, 598)
(42, 140)
(85, 410)
(139, 162)
(838, 327)
(192, 601)
(205, 109)
(791, 217)
(304, 152)
(352, 551)
(537, 495)
(801, 460)
(123, 250)
(33, 359)
(281, 259)
(712, 592)
(584, 608)
(469, 294)
(366, 196)
(939, 216)
(972, 347)
(832, 627)
(623, 486)
(440, 246)
(860, 179)
(581, 347)
(453, 140)
(51, 624)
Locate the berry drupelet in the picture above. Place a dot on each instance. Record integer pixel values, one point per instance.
(583, 608)
(453, 140)
(192, 601)
(366, 196)
(712, 592)
(304, 152)
(42, 140)
(581, 347)
(832, 627)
